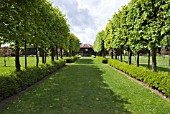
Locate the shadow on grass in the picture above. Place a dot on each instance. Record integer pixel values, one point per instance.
(5, 66)
(84, 61)
(82, 90)
(76, 89)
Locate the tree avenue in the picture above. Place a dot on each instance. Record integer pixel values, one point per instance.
(142, 24)
(99, 43)
(33, 23)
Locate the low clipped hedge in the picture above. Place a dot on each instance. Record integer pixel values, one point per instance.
(15, 82)
(93, 56)
(156, 80)
(101, 59)
(71, 59)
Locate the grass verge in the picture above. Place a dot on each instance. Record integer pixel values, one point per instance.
(87, 86)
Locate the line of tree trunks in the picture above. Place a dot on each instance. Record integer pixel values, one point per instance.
(70, 53)
(4, 61)
(103, 53)
(115, 53)
(43, 55)
(52, 53)
(112, 54)
(25, 49)
(17, 61)
(121, 53)
(154, 59)
(149, 54)
(137, 59)
(61, 53)
(129, 56)
(37, 57)
(56, 52)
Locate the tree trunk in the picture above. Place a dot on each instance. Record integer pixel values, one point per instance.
(103, 49)
(124, 55)
(43, 56)
(17, 62)
(137, 59)
(121, 58)
(52, 54)
(112, 54)
(115, 53)
(149, 54)
(129, 56)
(61, 53)
(56, 52)
(37, 57)
(4, 61)
(25, 48)
(103, 55)
(70, 53)
(154, 59)
(67, 54)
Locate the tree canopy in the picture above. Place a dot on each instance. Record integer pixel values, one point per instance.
(139, 24)
(34, 22)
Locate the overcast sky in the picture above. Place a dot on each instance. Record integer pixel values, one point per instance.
(88, 17)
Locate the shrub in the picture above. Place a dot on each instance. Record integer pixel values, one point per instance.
(156, 80)
(12, 83)
(101, 59)
(71, 59)
(93, 56)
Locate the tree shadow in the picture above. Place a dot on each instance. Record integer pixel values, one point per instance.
(2, 66)
(84, 61)
(159, 68)
(76, 89)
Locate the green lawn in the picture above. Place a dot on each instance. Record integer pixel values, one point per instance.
(10, 62)
(162, 62)
(87, 87)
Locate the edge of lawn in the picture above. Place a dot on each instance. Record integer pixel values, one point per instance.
(144, 85)
(9, 99)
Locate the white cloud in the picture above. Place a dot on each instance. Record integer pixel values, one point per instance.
(88, 17)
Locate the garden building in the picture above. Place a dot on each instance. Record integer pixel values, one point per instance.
(86, 50)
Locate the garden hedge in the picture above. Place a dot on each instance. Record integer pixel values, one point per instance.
(93, 56)
(71, 59)
(101, 59)
(156, 80)
(15, 82)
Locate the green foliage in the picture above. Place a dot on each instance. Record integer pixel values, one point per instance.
(140, 24)
(71, 59)
(12, 83)
(99, 42)
(88, 87)
(93, 56)
(73, 43)
(109, 36)
(35, 22)
(101, 59)
(156, 80)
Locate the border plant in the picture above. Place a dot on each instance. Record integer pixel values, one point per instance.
(12, 83)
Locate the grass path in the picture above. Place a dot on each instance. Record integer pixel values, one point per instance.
(87, 87)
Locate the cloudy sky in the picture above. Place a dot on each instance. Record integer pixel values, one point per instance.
(88, 17)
